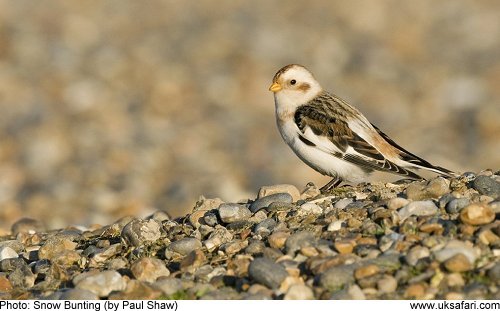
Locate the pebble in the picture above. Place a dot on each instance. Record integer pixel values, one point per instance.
(278, 239)
(366, 271)
(7, 252)
(265, 227)
(203, 206)
(5, 285)
(218, 237)
(267, 272)
(185, 246)
(298, 240)
(415, 291)
(169, 286)
(231, 212)
(454, 247)
(387, 284)
(415, 253)
(397, 203)
(20, 275)
(140, 232)
(149, 269)
(283, 188)
(337, 277)
(193, 260)
(418, 208)
(264, 202)
(458, 263)
(335, 226)
(455, 205)
(299, 292)
(55, 245)
(344, 247)
(477, 214)
(100, 283)
(494, 273)
(342, 203)
(311, 208)
(78, 294)
(352, 292)
(435, 188)
(13, 244)
(487, 186)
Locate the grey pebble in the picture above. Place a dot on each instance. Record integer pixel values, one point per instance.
(139, 232)
(487, 186)
(494, 273)
(210, 218)
(418, 208)
(168, 286)
(78, 294)
(267, 272)
(14, 244)
(267, 200)
(231, 212)
(100, 283)
(255, 247)
(265, 227)
(337, 277)
(280, 206)
(455, 205)
(185, 245)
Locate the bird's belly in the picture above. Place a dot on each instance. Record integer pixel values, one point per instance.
(321, 161)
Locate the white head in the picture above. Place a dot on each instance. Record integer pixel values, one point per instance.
(293, 86)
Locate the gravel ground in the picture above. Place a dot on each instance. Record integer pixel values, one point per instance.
(436, 239)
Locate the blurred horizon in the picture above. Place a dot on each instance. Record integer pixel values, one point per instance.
(122, 107)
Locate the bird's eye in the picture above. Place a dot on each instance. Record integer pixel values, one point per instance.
(292, 82)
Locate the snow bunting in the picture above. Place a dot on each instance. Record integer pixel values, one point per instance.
(333, 137)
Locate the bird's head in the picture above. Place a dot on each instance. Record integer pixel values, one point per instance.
(294, 85)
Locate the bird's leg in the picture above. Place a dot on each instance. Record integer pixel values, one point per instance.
(331, 184)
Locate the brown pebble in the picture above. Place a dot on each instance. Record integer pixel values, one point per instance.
(5, 284)
(477, 214)
(366, 271)
(344, 247)
(278, 239)
(432, 228)
(416, 291)
(458, 263)
(309, 251)
(488, 237)
(193, 260)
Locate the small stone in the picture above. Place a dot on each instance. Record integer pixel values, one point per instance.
(27, 225)
(203, 205)
(284, 188)
(53, 246)
(168, 286)
(139, 232)
(185, 246)
(335, 226)
(218, 237)
(149, 269)
(434, 227)
(231, 212)
(280, 206)
(255, 247)
(387, 284)
(366, 271)
(78, 294)
(488, 237)
(136, 290)
(298, 240)
(100, 283)
(309, 251)
(17, 246)
(344, 247)
(342, 203)
(7, 252)
(5, 285)
(265, 227)
(455, 280)
(454, 296)
(487, 186)
(418, 208)
(455, 205)
(477, 214)
(337, 277)
(352, 292)
(494, 273)
(234, 247)
(66, 258)
(434, 188)
(454, 247)
(458, 263)
(210, 219)
(267, 272)
(265, 201)
(415, 291)
(278, 239)
(310, 208)
(299, 292)
(193, 260)
(397, 203)
(416, 253)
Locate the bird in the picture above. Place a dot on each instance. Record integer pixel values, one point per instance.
(333, 137)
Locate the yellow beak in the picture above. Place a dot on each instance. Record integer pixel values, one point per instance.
(275, 87)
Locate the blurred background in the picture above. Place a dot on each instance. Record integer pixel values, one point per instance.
(112, 108)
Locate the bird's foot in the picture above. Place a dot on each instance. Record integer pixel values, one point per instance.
(331, 184)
